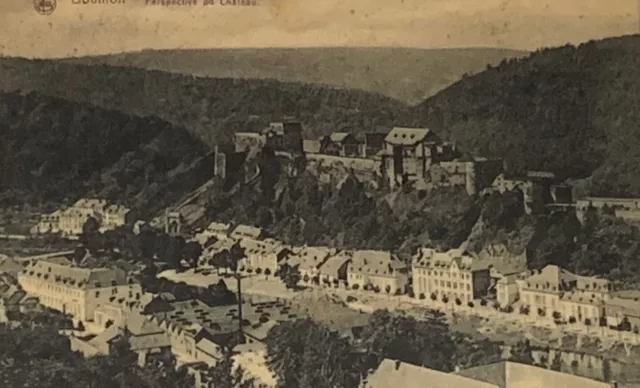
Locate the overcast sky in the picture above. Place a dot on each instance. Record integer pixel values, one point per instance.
(103, 28)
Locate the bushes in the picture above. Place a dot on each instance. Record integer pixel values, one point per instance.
(355, 286)
(434, 297)
(470, 304)
(483, 302)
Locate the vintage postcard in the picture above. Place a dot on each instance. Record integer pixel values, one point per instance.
(328, 194)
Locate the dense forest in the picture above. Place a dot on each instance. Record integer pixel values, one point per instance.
(55, 151)
(213, 109)
(570, 110)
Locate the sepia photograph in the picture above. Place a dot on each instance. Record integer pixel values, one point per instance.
(339, 194)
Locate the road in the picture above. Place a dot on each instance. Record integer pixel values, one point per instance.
(44, 256)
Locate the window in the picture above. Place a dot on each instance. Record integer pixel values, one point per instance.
(97, 294)
(448, 284)
(468, 287)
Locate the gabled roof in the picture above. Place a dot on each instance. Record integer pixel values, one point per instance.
(395, 374)
(406, 136)
(430, 258)
(309, 257)
(338, 137)
(507, 374)
(242, 231)
(209, 347)
(311, 146)
(333, 263)
(58, 270)
(380, 263)
(551, 278)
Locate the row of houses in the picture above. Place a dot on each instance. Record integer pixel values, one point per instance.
(192, 331)
(453, 275)
(69, 221)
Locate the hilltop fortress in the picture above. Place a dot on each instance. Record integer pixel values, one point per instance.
(404, 157)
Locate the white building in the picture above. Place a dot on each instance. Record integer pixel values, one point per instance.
(556, 290)
(69, 221)
(335, 268)
(379, 270)
(246, 231)
(262, 256)
(453, 274)
(77, 291)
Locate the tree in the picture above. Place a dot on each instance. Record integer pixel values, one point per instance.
(290, 276)
(224, 375)
(471, 353)
(303, 353)
(387, 289)
(521, 352)
(427, 343)
(191, 253)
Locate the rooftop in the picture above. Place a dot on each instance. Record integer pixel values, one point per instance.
(407, 136)
(333, 263)
(242, 231)
(382, 263)
(310, 257)
(395, 374)
(59, 270)
(430, 258)
(507, 374)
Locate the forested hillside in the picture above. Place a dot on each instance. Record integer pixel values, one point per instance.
(53, 151)
(213, 109)
(408, 74)
(572, 110)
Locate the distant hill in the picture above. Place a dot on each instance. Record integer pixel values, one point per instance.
(409, 75)
(53, 151)
(211, 108)
(571, 110)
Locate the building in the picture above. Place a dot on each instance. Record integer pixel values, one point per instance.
(622, 311)
(340, 144)
(507, 290)
(507, 374)
(555, 290)
(625, 208)
(373, 144)
(535, 188)
(262, 256)
(473, 173)
(113, 217)
(453, 274)
(49, 223)
(334, 269)
(250, 142)
(215, 229)
(308, 260)
(395, 374)
(14, 301)
(311, 146)
(377, 270)
(69, 221)
(146, 339)
(408, 154)
(246, 231)
(78, 291)
(10, 267)
(285, 136)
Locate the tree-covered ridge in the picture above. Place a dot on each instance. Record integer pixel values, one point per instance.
(305, 211)
(570, 110)
(212, 108)
(54, 150)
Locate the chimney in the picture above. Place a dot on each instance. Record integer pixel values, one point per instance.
(398, 362)
(457, 369)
